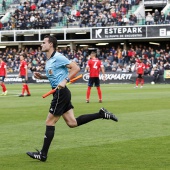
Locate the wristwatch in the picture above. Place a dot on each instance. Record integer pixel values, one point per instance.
(68, 80)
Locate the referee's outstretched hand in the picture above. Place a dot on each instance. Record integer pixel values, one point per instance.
(37, 75)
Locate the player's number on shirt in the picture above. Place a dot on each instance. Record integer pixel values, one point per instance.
(95, 65)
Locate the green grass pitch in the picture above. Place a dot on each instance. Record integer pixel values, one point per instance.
(139, 141)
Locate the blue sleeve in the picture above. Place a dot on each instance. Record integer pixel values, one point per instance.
(62, 60)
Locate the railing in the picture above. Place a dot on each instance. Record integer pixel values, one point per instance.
(88, 34)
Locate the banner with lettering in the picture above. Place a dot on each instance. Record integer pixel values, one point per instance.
(111, 77)
(119, 32)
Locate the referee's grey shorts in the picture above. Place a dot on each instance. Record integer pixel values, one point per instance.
(61, 102)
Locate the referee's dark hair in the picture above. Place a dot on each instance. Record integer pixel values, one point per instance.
(52, 39)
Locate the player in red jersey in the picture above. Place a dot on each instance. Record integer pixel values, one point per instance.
(23, 73)
(3, 74)
(140, 68)
(94, 66)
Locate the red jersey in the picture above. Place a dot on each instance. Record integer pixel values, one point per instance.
(23, 67)
(94, 65)
(2, 68)
(140, 67)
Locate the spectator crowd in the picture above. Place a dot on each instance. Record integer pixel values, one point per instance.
(43, 14)
(114, 60)
(157, 18)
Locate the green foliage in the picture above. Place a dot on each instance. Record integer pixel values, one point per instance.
(139, 141)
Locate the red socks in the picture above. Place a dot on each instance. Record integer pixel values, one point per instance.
(99, 93)
(88, 93)
(3, 87)
(142, 82)
(25, 87)
(137, 81)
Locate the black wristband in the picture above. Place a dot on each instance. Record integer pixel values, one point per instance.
(68, 80)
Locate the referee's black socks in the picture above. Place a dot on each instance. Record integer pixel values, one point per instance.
(87, 118)
(49, 134)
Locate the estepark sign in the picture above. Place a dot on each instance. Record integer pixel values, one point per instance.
(118, 32)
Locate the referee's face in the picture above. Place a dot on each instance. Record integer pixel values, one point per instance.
(46, 45)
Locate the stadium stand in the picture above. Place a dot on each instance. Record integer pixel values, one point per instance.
(57, 14)
(42, 14)
(114, 60)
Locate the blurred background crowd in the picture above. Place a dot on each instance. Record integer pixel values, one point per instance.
(114, 60)
(43, 14)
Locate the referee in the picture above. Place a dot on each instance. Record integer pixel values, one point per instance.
(57, 73)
